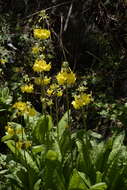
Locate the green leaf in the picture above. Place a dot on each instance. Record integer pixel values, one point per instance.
(85, 178)
(24, 155)
(38, 148)
(10, 144)
(6, 137)
(63, 125)
(98, 177)
(77, 182)
(28, 159)
(99, 186)
(28, 177)
(56, 148)
(37, 185)
(118, 140)
(85, 160)
(2, 110)
(59, 180)
(65, 143)
(52, 155)
(42, 129)
(95, 135)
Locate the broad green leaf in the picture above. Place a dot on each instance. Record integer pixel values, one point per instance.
(11, 146)
(3, 172)
(85, 178)
(23, 177)
(56, 148)
(37, 185)
(63, 125)
(14, 180)
(6, 137)
(77, 182)
(99, 186)
(65, 143)
(60, 181)
(85, 160)
(118, 140)
(42, 129)
(95, 135)
(2, 110)
(25, 156)
(28, 177)
(28, 159)
(38, 148)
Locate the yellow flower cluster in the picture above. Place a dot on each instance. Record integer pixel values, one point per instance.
(66, 77)
(54, 89)
(41, 65)
(21, 106)
(27, 88)
(24, 108)
(42, 33)
(40, 81)
(23, 144)
(11, 131)
(81, 100)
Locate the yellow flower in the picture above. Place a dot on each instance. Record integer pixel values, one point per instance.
(59, 93)
(21, 106)
(19, 131)
(23, 144)
(35, 50)
(42, 33)
(49, 92)
(40, 81)
(27, 88)
(71, 78)
(81, 100)
(31, 112)
(54, 86)
(65, 77)
(25, 108)
(46, 81)
(54, 89)
(61, 78)
(19, 144)
(41, 65)
(10, 130)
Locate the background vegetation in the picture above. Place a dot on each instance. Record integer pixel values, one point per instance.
(91, 36)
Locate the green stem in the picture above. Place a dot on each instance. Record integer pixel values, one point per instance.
(67, 100)
(84, 123)
(43, 93)
(84, 119)
(56, 104)
(69, 125)
(22, 130)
